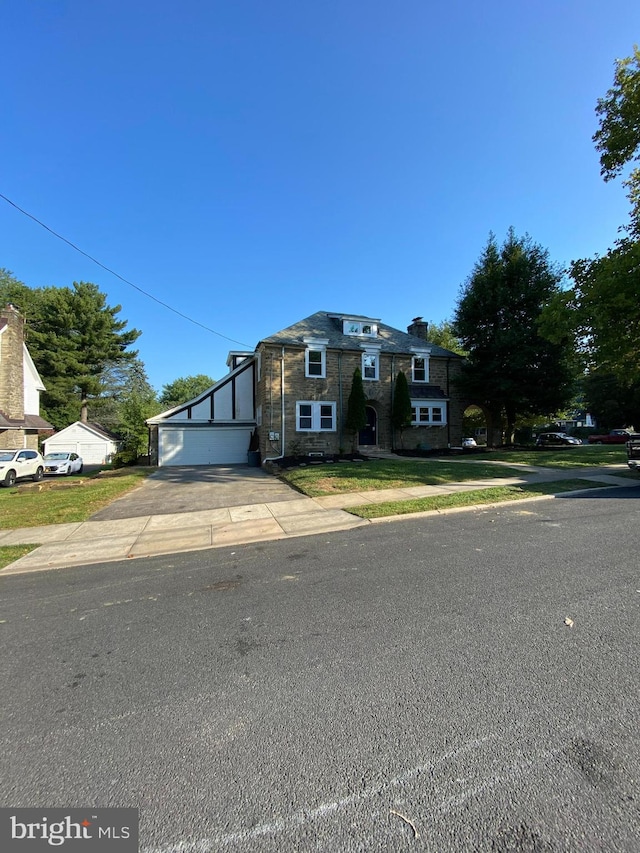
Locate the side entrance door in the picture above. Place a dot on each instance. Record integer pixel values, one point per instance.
(369, 435)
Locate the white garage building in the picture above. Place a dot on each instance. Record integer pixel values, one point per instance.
(94, 444)
(213, 428)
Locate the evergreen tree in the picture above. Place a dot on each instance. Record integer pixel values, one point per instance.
(356, 407)
(511, 369)
(73, 337)
(401, 412)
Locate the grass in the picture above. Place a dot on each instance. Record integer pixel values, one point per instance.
(11, 553)
(583, 456)
(471, 498)
(58, 501)
(339, 477)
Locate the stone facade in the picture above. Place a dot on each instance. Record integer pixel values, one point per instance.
(284, 367)
(11, 364)
(17, 427)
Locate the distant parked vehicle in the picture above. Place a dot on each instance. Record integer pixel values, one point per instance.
(63, 463)
(556, 439)
(616, 436)
(469, 442)
(633, 454)
(20, 464)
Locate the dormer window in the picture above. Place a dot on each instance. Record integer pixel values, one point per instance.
(360, 328)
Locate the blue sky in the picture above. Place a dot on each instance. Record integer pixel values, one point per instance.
(250, 163)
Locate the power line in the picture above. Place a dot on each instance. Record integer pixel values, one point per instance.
(117, 275)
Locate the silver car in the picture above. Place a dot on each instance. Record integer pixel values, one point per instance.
(61, 462)
(18, 464)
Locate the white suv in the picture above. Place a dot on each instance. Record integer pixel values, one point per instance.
(16, 464)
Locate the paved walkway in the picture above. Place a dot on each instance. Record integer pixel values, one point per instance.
(82, 543)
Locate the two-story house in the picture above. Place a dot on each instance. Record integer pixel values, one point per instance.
(295, 386)
(20, 387)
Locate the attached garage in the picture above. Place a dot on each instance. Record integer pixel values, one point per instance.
(203, 445)
(212, 429)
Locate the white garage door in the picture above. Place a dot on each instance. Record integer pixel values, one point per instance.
(203, 445)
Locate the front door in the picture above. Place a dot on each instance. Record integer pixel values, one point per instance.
(369, 435)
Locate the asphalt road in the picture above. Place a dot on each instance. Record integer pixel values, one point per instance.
(408, 686)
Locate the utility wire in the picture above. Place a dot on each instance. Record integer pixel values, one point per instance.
(117, 275)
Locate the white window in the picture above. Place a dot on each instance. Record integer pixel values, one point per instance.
(420, 368)
(359, 327)
(428, 412)
(370, 365)
(315, 363)
(315, 416)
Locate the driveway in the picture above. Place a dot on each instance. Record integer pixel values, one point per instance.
(198, 487)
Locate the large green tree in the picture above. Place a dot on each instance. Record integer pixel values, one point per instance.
(511, 369)
(618, 136)
(73, 336)
(183, 389)
(443, 334)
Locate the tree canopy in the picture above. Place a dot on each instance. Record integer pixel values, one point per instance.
(511, 369)
(443, 334)
(73, 336)
(618, 137)
(183, 389)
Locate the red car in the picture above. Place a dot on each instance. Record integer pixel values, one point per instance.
(616, 436)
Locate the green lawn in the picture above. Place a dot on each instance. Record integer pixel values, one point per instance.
(337, 477)
(61, 500)
(11, 553)
(480, 496)
(583, 456)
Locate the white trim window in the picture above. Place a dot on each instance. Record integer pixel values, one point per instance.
(315, 363)
(365, 328)
(428, 412)
(370, 365)
(315, 358)
(315, 416)
(420, 367)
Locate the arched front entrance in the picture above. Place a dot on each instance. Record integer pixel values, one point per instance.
(369, 435)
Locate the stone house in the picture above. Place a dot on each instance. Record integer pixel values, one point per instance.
(294, 389)
(20, 387)
(306, 374)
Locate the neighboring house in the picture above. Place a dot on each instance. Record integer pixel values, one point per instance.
(295, 386)
(94, 444)
(20, 387)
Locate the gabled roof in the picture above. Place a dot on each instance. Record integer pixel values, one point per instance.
(94, 428)
(327, 325)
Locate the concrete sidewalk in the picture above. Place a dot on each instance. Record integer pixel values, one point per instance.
(83, 543)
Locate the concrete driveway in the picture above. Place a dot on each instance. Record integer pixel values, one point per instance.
(198, 487)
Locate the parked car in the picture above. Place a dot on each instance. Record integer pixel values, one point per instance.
(616, 436)
(63, 463)
(633, 454)
(19, 464)
(469, 442)
(549, 439)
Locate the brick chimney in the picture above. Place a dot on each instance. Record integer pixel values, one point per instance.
(418, 328)
(11, 363)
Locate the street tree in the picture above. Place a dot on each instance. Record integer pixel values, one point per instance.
(183, 389)
(511, 370)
